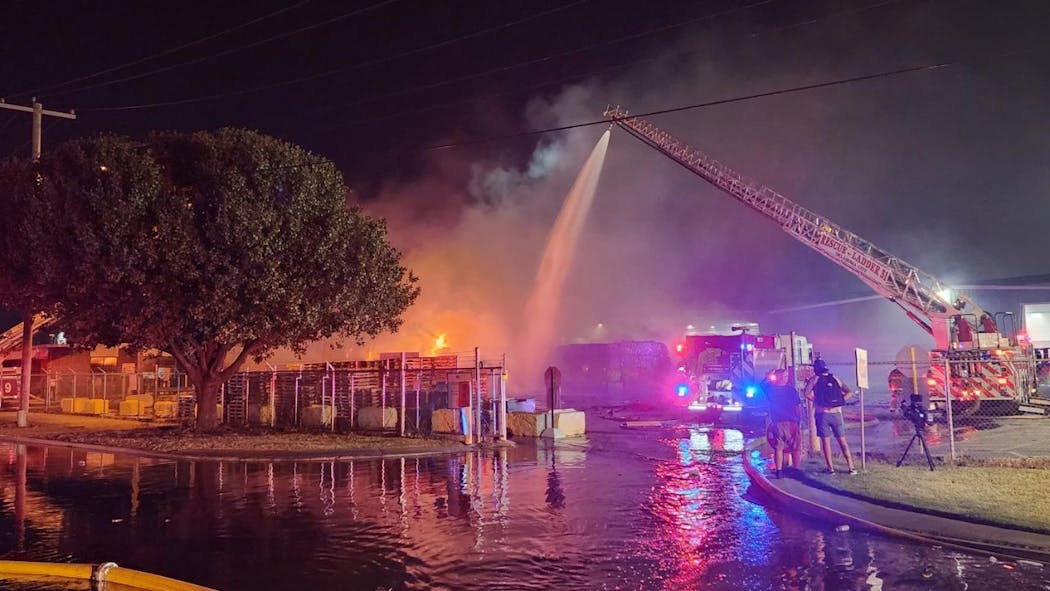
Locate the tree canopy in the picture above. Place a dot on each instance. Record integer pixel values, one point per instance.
(212, 246)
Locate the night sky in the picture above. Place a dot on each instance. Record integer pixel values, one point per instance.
(945, 167)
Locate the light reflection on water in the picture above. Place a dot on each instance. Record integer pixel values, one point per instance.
(619, 509)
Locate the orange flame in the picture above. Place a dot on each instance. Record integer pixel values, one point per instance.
(439, 343)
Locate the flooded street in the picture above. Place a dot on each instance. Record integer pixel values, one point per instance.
(621, 509)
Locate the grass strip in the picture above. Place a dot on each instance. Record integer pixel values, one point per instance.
(981, 492)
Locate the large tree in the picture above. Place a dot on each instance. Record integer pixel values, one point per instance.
(215, 247)
(21, 238)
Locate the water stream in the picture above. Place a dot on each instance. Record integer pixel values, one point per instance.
(540, 318)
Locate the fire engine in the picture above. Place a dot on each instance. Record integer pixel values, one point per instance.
(724, 375)
(11, 369)
(984, 365)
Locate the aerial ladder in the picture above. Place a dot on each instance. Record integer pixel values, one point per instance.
(10, 341)
(984, 365)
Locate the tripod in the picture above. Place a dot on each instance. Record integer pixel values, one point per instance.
(919, 428)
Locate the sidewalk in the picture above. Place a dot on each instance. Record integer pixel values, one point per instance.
(839, 509)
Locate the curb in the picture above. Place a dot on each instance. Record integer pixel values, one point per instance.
(305, 457)
(830, 515)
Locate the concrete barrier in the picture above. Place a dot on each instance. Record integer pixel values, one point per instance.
(316, 415)
(526, 424)
(571, 422)
(259, 414)
(375, 418)
(164, 409)
(131, 408)
(84, 406)
(135, 405)
(446, 420)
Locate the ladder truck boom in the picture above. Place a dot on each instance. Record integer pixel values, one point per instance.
(926, 300)
(11, 339)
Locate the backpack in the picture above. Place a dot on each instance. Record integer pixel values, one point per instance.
(827, 392)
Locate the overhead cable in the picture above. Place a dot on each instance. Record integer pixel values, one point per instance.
(507, 68)
(163, 53)
(331, 72)
(232, 50)
(725, 101)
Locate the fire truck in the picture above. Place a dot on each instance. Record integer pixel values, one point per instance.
(724, 375)
(11, 361)
(976, 357)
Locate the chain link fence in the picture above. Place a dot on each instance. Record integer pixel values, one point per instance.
(450, 394)
(973, 404)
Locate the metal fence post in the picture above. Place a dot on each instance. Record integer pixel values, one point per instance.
(331, 426)
(295, 407)
(403, 390)
(468, 432)
(503, 401)
(948, 406)
(353, 391)
(419, 382)
(273, 395)
(477, 382)
(382, 394)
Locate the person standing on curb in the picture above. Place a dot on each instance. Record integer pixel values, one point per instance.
(783, 433)
(828, 394)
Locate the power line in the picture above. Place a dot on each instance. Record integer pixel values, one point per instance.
(736, 99)
(161, 53)
(592, 47)
(725, 101)
(232, 50)
(327, 73)
(553, 56)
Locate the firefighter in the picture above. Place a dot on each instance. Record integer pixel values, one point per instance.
(988, 324)
(965, 333)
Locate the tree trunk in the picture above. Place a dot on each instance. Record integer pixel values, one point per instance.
(207, 399)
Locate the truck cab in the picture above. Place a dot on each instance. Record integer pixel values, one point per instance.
(722, 375)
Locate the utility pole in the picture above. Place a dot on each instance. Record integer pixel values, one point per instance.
(38, 112)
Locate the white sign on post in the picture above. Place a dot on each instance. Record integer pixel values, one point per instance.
(862, 383)
(862, 368)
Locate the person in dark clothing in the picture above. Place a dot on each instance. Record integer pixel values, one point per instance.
(828, 394)
(783, 432)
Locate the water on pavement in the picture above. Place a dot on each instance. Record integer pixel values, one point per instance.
(621, 509)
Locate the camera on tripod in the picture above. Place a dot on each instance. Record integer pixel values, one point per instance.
(914, 411)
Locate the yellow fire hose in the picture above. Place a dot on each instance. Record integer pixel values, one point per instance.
(108, 572)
